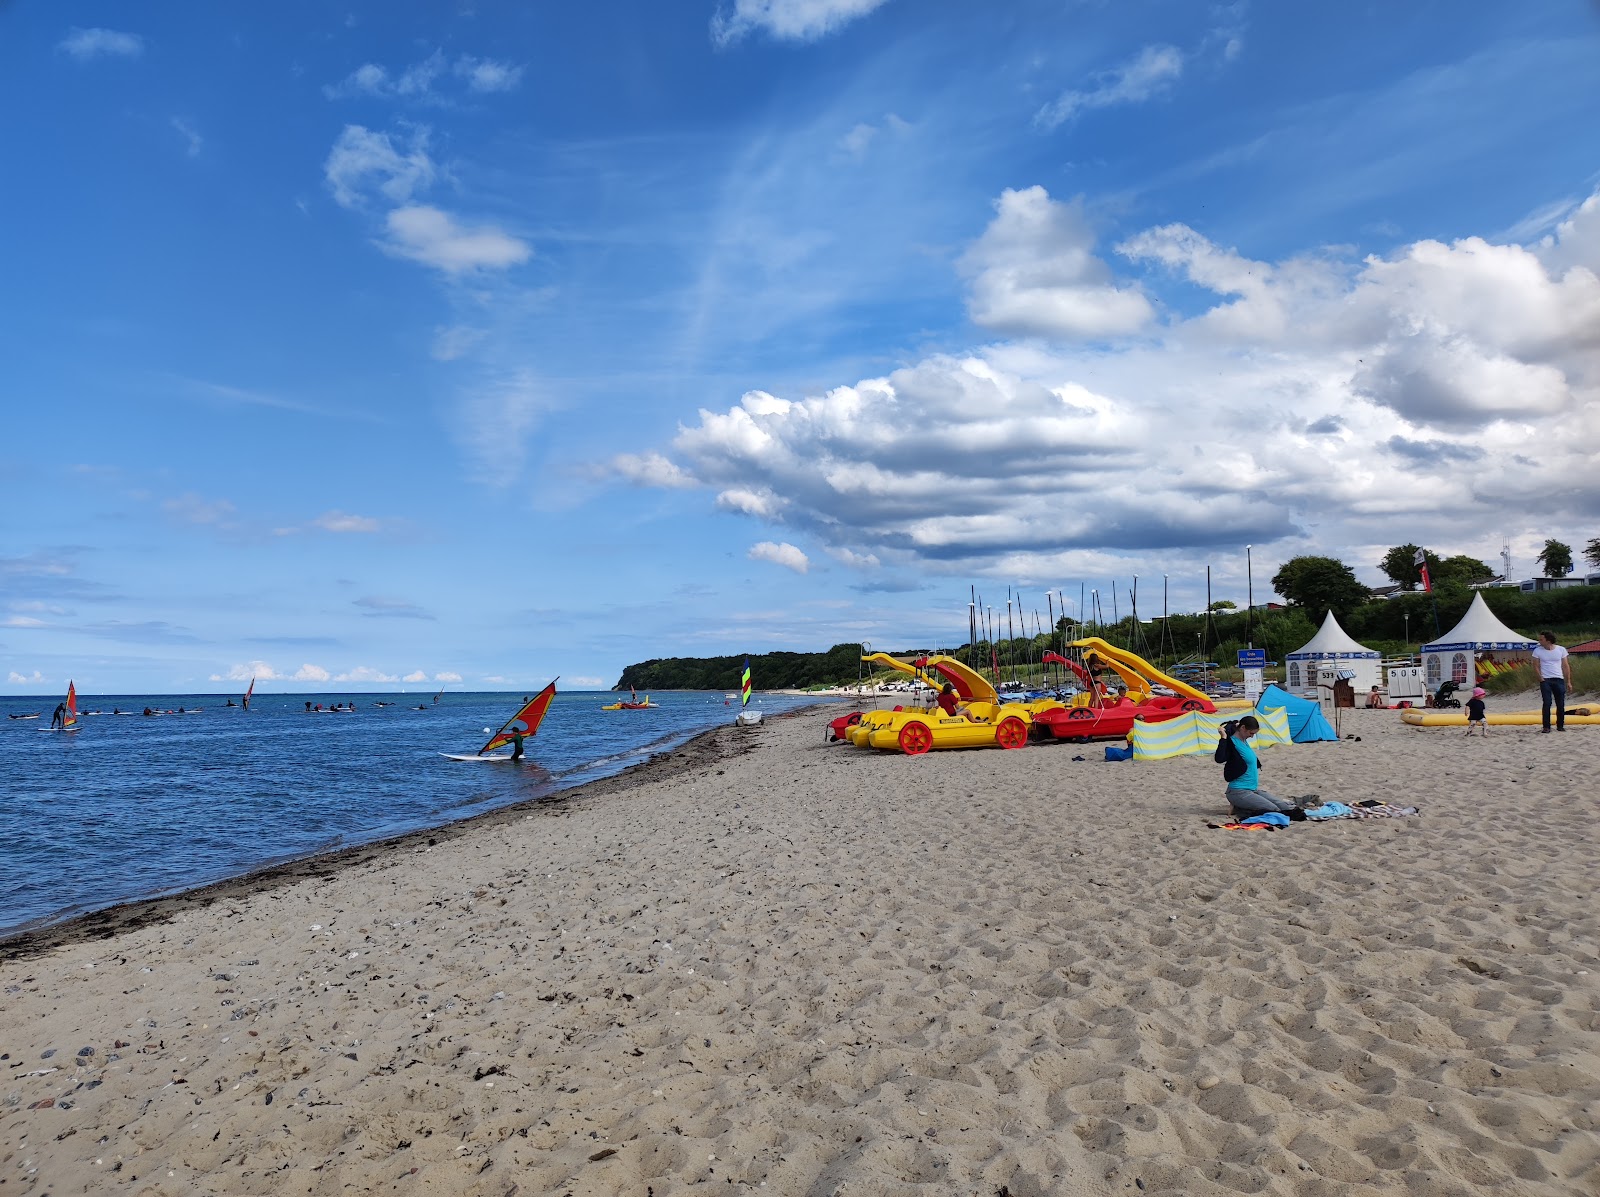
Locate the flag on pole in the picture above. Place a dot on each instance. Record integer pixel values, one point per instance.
(744, 684)
(1420, 560)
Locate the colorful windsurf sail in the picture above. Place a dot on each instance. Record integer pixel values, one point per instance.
(527, 720)
(69, 721)
(744, 684)
(248, 693)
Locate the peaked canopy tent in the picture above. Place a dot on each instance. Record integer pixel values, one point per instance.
(1333, 647)
(1479, 643)
(1307, 724)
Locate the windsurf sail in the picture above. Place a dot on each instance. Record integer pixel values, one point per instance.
(527, 720)
(744, 684)
(69, 721)
(440, 695)
(248, 693)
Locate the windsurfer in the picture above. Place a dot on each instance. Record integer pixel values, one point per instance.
(58, 718)
(516, 744)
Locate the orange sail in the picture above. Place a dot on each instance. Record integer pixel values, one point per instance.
(527, 720)
(69, 722)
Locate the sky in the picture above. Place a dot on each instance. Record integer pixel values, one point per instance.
(388, 344)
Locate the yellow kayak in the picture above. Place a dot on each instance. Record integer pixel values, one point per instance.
(1576, 717)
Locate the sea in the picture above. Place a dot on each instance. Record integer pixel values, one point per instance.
(132, 807)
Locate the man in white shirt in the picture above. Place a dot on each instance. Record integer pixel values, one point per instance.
(1555, 675)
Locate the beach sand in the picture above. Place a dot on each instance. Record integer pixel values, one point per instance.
(770, 965)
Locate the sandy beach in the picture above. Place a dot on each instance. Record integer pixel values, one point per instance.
(766, 964)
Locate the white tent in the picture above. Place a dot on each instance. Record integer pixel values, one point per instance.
(1479, 634)
(1332, 647)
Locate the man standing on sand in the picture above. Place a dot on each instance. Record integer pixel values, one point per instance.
(1555, 677)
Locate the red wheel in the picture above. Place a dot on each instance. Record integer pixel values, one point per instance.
(915, 738)
(1191, 705)
(1012, 733)
(1080, 713)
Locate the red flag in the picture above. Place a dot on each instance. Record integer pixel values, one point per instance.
(1427, 582)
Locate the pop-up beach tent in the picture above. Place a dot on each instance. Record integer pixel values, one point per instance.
(1307, 724)
(1197, 732)
(1333, 647)
(1480, 634)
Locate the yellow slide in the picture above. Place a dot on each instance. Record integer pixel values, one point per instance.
(1137, 672)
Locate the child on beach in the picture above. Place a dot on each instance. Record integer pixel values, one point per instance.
(1475, 717)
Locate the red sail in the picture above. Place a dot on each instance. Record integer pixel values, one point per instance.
(527, 720)
(71, 718)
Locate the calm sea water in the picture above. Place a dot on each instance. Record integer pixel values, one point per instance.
(136, 807)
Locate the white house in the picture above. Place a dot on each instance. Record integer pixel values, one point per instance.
(1332, 646)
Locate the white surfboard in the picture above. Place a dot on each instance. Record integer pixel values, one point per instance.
(55, 729)
(473, 756)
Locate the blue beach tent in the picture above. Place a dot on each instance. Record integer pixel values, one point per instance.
(1306, 722)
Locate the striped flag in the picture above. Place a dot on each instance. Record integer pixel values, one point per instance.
(744, 684)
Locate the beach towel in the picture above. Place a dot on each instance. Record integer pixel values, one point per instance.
(1113, 753)
(1270, 819)
(1331, 810)
(1381, 811)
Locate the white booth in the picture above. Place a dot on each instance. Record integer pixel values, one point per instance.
(1331, 648)
(1480, 638)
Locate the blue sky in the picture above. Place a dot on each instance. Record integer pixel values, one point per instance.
(375, 344)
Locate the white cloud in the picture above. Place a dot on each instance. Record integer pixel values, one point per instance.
(22, 621)
(192, 139)
(87, 44)
(447, 677)
(784, 554)
(416, 675)
(18, 679)
(496, 419)
(786, 20)
(362, 160)
(362, 673)
(430, 236)
(1032, 272)
(486, 75)
(343, 521)
(1319, 403)
(455, 341)
(259, 670)
(853, 559)
(652, 469)
(1148, 74)
(309, 673)
(191, 508)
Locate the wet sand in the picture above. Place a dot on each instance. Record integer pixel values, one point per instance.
(771, 965)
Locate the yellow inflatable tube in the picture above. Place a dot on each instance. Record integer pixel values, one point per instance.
(1577, 717)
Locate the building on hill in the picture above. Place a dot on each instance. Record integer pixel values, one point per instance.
(1589, 648)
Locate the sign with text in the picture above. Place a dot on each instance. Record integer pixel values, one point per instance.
(1252, 658)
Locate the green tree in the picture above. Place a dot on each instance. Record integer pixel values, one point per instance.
(1460, 570)
(1591, 552)
(1399, 565)
(1224, 605)
(1320, 583)
(1555, 559)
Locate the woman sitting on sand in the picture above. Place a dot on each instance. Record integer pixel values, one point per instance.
(1240, 768)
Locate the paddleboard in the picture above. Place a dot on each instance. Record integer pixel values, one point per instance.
(473, 756)
(55, 729)
(23, 716)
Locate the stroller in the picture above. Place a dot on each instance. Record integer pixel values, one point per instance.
(1444, 697)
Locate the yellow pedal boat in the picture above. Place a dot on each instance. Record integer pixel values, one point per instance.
(915, 730)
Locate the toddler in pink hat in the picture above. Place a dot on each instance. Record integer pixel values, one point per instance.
(1475, 717)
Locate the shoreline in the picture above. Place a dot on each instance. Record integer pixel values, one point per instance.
(700, 751)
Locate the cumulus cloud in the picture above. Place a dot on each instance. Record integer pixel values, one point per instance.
(24, 679)
(784, 554)
(88, 44)
(1147, 74)
(416, 675)
(261, 671)
(447, 677)
(786, 20)
(363, 161)
(431, 236)
(417, 82)
(1032, 272)
(1319, 401)
(652, 469)
(362, 673)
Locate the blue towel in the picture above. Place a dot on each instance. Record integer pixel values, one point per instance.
(1330, 810)
(1271, 819)
(1114, 753)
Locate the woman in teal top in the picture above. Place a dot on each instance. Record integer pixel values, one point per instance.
(1245, 796)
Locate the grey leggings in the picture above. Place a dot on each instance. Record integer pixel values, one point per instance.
(1256, 802)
